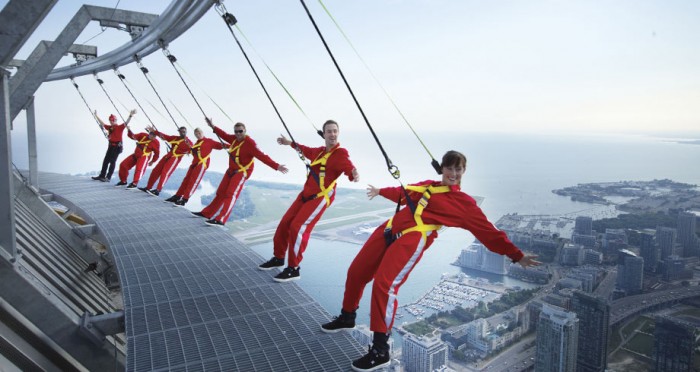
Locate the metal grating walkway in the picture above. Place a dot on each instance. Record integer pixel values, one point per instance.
(193, 297)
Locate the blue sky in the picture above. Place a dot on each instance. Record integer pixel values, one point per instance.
(450, 65)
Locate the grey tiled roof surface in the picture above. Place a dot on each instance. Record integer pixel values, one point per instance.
(193, 297)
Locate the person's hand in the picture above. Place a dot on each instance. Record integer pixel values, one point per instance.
(529, 260)
(355, 175)
(132, 112)
(282, 140)
(95, 112)
(209, 122)
(282, 169)
(372, 192)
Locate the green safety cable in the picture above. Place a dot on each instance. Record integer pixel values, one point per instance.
(289, 94)
(434, 162)
(92, 113)
(393, 169)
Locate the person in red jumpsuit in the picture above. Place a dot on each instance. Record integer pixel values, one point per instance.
(147, 147)
(201, 151)
(395, 247)
(179, 146)
(293, 232)
(242, 153)
(114, 148)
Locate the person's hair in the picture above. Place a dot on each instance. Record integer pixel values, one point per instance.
(198, 129)
(328, 122)
(453, 158)
(181, 128)
(239, 124)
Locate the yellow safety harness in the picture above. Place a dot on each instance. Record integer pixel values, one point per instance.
(176, 144)
(198, 154)
(144, 145)
(322, 160)
(423, 228)
(236, 158)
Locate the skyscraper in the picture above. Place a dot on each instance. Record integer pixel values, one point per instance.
(666, 239)
(583, 225)
(557, 340)
(593, 314)
(630, 272)
(673, 345)
(648, 250)
(423, 353)
(686, 233)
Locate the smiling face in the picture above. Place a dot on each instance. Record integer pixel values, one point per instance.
(454, 164)
(183, 132)
(330, 133)
(239, 130)
(198, 134)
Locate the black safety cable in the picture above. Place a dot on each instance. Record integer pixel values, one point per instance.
(92, 113)
(145, 74)
(230, 20)
(393, 169)
(101, 82)
(122, 78)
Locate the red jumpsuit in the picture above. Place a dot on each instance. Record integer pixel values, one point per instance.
(241, 160)
(200, 162)
(293, 232)
(165, 167)
(144, 147)
(390, 266)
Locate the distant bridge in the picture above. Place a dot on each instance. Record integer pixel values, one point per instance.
(627, 307)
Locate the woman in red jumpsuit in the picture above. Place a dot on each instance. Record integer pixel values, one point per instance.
(395, 247)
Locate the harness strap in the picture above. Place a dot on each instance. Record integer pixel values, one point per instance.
(176, 144)
(236, 159)
(421, 227)
(325, 191)
(198, 154)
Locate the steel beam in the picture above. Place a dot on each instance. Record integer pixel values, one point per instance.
(7, 202)
(31, 143)
(18, 20)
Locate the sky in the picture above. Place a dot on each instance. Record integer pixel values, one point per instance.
(450, 65)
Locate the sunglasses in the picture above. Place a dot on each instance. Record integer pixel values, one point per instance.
(238, 131)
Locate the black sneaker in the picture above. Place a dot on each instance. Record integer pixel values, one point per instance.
(131, 186)
(143, 189)
(154, 192)
(120, 183)
(373, 360)
(339, 323)
(198, 214)
(287, 275)
(214, 222)
(96, 178)
(172, 199)
(181, 202)
(104, 179)
(271, 264)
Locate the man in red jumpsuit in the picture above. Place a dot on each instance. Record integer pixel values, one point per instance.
(179, 146)
(201, 151)
(395, 247)
(293, 232)
(114, 148)
(242, 153)
(147, 145)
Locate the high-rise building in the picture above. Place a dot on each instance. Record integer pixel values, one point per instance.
(572, 254)
(613, 241)
(686, 233)
(557, 340)
(666, 240)
(593, 315)
(480, 258)
(583, 225)
(648, 250)
(630, 272)
(673, 345)
(423, 353)
(675, 268)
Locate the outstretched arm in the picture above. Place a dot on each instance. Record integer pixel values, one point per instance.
(529, 260)
(100, 120)
(131, 115)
